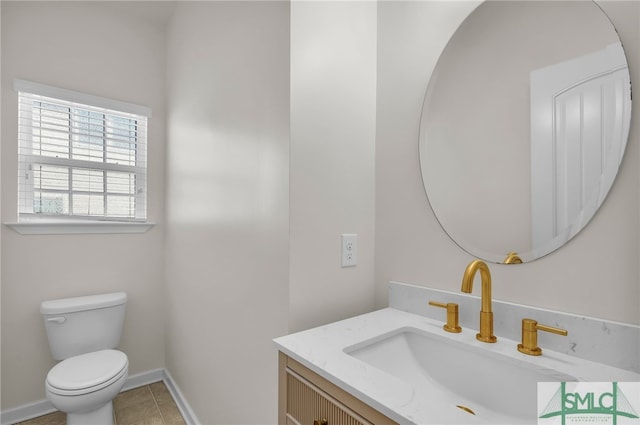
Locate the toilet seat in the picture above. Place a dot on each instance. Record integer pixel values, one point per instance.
(87, 373)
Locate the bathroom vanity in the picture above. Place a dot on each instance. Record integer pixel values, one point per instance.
(398, 365)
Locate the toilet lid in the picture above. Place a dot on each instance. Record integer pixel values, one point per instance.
(87, 370)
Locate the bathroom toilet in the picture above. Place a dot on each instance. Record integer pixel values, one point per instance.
(83, 332)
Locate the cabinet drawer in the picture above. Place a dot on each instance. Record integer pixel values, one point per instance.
(306, 397)
(307, 404)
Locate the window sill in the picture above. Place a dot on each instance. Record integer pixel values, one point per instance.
(77, 227)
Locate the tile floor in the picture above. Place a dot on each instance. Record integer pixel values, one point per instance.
(148, 405)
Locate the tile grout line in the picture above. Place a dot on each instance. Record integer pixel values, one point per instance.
(157, 406)
(113, 409)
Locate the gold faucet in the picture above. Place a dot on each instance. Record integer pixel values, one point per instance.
(486, 315)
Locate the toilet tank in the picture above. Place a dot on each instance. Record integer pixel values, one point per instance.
(83, 324)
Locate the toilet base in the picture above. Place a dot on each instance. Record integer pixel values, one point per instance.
(101, 416)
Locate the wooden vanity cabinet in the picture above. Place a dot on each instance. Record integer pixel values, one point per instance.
(306, 398)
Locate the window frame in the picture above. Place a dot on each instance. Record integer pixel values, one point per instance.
(29, 221)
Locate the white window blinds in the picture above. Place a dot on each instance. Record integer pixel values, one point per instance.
(79, 160)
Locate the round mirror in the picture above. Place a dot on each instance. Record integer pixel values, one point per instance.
(524, 126)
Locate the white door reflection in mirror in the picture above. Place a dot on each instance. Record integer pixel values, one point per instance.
(580, 113)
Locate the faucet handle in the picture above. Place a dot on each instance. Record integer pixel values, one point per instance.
(530, 330)
(452, 316)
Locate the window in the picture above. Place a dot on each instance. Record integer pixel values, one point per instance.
(80, 156)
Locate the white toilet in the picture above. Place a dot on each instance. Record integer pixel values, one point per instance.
(83, 333)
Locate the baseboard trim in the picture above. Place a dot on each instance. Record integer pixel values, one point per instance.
(143, 378)
(43, 407)
(186, 411)
(26, 412)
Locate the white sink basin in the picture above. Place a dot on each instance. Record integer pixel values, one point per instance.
(493, 387)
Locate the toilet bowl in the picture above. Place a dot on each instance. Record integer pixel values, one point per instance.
(84, 386)
(83, 332)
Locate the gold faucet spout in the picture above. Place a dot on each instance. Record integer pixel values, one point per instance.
(485, 275)
(486, 313)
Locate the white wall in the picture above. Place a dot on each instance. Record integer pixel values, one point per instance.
(333, 107)
(253, 249)
(596, 274)
(227, 241)
(85, 47)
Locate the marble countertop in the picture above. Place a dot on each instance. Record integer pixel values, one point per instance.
(322, 350)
